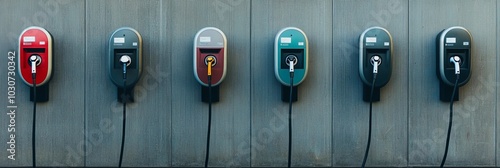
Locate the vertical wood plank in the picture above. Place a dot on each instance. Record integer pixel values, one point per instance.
(230, 136)
(59, 122)
(472, 140)
(351, 113)
(495, 86)
(312, 113)
(148, 127)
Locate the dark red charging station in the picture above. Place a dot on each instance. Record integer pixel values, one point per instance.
(36, 41)
(210, 42)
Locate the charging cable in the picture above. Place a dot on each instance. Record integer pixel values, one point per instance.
(375, 61)
(126, 60)
(455, 60)
(291, 61)
(35, 61)
(209, 60)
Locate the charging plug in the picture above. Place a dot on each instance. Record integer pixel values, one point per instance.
(456, 60)
(375, 61)
(291, 60)
(210, 61)
(126, 60)
(34, 60)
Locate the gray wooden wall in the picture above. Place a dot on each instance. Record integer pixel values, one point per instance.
(166, 126)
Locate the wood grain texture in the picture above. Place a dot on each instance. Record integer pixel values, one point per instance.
(494, 87)
(350, 112)
(167, 125)
(312, 113)
(230, 135)
(147, 140)
(473, 133)
(54, 132)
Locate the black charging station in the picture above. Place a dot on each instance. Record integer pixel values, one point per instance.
(125, 42)
(451, 42)
(375, 43)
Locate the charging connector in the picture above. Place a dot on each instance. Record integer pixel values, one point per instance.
(291, 61)
(375, 61)
(126, 60)
(210, 61)
(456, 60)
(33, 61)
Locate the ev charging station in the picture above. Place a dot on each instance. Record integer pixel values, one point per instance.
(35, 68)
(375, 68)
(209, 65)
(124, 68)
(453, 50)
(291, 57)
(36, 58)
(375, 57)
(453, 68)
(125, 61)
(210, 59)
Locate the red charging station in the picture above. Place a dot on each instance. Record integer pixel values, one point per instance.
(36, 41)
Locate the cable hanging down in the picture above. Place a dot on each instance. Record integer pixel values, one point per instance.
(33, 60)
(126, 60)
(292, 60)
(210, 60)
(455, 60)
(375, 61)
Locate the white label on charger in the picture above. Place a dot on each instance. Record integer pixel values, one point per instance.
(42, 43)
(301, 43)
(466, 43)
(386, 43)
(286, 40)
(134, 44)
(119, 39)
(451, 40)
(371, 39)
(205, 39)
(29, 39)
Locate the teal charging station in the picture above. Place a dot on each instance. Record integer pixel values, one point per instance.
(291, 44)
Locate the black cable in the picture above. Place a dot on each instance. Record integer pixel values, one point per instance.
(290, 121)
(370, 121)
(33, 75)
(450, 122)
(209, 118)
(124, 100)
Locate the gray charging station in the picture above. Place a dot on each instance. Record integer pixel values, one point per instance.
(375, 42)
(126, 42)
